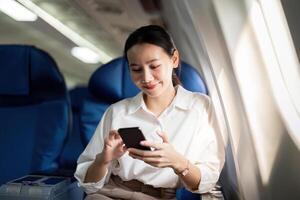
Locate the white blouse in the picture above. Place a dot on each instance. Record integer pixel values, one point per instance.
(189, 124)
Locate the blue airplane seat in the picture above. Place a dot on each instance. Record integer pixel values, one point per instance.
(34, 111)
(108, 84)
(111, 83)
(74, 145)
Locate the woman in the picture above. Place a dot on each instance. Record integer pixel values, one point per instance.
(177, 124)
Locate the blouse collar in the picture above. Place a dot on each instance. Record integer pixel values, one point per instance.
(182, 100)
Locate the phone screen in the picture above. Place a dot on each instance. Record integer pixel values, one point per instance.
(132, 137)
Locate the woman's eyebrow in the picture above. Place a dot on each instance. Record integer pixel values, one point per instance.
(133, 64)
(147, 62)
(152, 60)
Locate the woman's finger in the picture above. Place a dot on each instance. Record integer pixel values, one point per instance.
(118, 136)
(154, 161)
(143, 153)
(136, 156)
(151, 144)
(111, 134)
(163, 136)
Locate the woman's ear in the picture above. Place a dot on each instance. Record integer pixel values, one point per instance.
(175, 58)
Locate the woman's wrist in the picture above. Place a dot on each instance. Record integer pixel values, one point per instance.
(97, 170)
(100, 159)
(180, 165)
(185, 170)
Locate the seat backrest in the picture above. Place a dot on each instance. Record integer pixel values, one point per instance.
(111, 83)
(34, 111)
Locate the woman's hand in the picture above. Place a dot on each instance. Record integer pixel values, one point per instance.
(164, 154)
(113, 147)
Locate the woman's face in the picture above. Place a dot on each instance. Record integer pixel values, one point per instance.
(151, 68)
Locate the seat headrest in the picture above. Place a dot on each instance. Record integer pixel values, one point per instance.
(28, 75)
(14, 70)
(191, 79)
(111, 82)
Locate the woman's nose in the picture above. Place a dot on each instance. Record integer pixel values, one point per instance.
(148, 77)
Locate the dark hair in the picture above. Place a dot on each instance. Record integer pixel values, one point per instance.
(156, 35)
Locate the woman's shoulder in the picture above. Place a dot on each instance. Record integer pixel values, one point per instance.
(196, 99)
(201, 98)
(201, 101)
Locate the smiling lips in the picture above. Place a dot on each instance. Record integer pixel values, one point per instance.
(149, 86)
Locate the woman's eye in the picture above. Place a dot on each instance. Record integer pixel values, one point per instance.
(154, 66)
(136, 69)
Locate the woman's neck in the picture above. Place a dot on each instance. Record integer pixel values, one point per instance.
(158, 104)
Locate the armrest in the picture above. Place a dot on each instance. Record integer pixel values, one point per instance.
(41, 187)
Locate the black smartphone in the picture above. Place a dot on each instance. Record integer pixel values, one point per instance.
(132, 136)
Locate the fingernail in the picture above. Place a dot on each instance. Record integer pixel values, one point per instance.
(142, 142)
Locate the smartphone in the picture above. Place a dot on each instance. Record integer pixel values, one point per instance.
(132, 136)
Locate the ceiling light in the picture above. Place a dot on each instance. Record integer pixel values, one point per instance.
(86, 55)
(16, 11)
(66, 31)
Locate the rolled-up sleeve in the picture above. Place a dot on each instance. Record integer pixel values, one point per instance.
(210, 150)
(88, 156)
(80, 176)
(210, 170)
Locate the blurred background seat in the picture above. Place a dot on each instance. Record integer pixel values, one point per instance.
(74, 145)
(111, 83)
(108, 84)
(34, 112)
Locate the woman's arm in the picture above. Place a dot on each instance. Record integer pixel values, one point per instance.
(97, 170)
(113, 149)
(187, 172)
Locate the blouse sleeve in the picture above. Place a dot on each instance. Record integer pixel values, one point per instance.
(88, 156)
(210, 158)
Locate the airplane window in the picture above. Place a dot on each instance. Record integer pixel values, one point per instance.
(267, 70)
(263, 59)
(287, 92)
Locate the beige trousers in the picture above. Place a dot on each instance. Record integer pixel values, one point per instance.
(116, 189)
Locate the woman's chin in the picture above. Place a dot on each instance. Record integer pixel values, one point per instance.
(153, 93)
